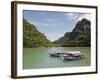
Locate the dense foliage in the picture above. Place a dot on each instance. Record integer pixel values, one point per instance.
(32, 37)
(79, 37)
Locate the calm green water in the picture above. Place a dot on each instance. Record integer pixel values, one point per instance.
(39, 58)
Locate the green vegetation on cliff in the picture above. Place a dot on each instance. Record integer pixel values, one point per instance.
(79, 37)
(32, 37)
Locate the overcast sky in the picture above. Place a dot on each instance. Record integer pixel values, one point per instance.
(54, 24)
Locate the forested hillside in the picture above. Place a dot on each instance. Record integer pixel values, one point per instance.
(79, 37)
(32, 37)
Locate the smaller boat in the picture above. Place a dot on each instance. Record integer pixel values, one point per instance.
(76, 55)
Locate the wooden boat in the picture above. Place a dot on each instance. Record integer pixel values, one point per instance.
(73, 57)
(76, 55)
(57, 54)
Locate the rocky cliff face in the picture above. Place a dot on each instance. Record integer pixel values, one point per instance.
(80, 35)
